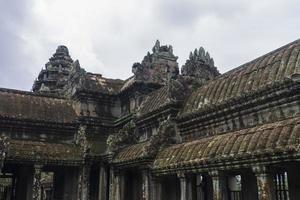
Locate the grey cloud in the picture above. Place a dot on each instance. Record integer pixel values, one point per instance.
(233, 31)
(13, 62)
(178, 13)
(187, 12)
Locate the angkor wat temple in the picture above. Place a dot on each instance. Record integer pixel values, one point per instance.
(159, 135)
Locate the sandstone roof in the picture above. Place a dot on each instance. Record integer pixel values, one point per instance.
(155, 100)
(265, 70)
(28, 106)
(97, 83)
(27, 150)
(260, 143)
(131, 153)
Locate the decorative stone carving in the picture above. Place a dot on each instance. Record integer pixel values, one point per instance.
(4, 143)
(264, 182)
(166, 134)
(55, 75)
(157, 67)
(37, 190)
(75, 79)
(81, 140)
(200, 65)
(84, 182)
(176, 90)
(126, 135)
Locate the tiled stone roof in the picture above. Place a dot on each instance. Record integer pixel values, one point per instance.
(131, 153)
(264, 141)
(155, 100)
(265, 70)
(97, 83)
(42, 151)
(28, 106)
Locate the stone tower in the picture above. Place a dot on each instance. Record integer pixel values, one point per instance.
(55, 75)
(158, 66)
(200, 66)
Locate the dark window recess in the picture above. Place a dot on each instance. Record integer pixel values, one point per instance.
(281, 186)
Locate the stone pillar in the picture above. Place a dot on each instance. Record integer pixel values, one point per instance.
(156, 188)
(103, 183)
(37, 190)
(219, 185)
(264, 183)
(146, 185)
(119, 185)
(84, 178)
(111, 184)
(185, 187)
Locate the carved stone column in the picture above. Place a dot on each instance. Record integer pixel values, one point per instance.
(84, 186)
(265, 185)
(119, 185)
(146, 185)
(183, 186)
(103, 183)
(185, 190)
(219, 185)
(37, 190)
(111, 184)
(156, 188)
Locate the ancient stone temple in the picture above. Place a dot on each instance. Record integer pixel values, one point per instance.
(158, 135)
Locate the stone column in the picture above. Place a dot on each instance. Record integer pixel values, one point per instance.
(37, 190)
(111, 184)
(264, 183)
(146, 185)
(119, 185)
(103, 183)
(84, 186)
(185, 187)
(219, 185)
(156, 188)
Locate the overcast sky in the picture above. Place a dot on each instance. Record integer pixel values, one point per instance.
(108, 36)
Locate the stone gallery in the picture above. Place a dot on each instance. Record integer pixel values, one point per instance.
(161, 134)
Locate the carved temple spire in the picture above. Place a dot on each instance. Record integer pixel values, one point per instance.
(200, 65)
(158, 66)
(54, 77)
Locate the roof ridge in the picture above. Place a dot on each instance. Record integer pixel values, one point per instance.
(29, 93)
(258, 58)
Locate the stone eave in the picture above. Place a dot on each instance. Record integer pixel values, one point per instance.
(132, 155)
(235, 163)
(58, 162)
(38, 94)
(287, 90)
(95, 94)
(136, 163)
(98, 121)
(269, 143)
(36, 151)
(135, 85)
(170, 108)
(124, 119)
(42, 123)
